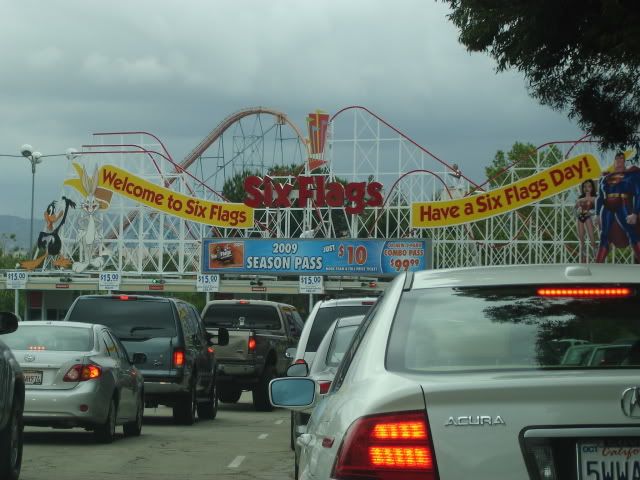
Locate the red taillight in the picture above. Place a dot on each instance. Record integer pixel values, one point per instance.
(82, 373)
(387, 447)
(178, 357)
(584, 292)
(39, 348)
(251, 344)
(325, 385)
(211, 350)
(124, 297)
(299, 360)
(243, 302)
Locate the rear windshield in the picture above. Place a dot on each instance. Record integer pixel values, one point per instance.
(264, 317)
(50, 338)
(444, 329)
(325, 317)
(129, 319)
(339, 343)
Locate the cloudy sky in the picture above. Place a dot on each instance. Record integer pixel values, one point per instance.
(71, 67)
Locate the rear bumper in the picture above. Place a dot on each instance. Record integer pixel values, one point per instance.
(238, 370)
(61, 408)
(165, 390)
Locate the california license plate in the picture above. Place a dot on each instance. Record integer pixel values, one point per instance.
(609, 460)
(32, 377)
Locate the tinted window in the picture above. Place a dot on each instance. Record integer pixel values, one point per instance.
(512, 327)
(325, 317)
(128, 319)
(339, 343)
(52, 338)
(242, 316)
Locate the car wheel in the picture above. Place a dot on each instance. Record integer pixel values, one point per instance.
(209, 409)
(229, 395)
(261, 391)
(185, 410)
(11, 439)
(133, 429)
(106, 432)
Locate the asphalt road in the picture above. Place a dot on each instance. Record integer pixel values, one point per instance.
(240, 443)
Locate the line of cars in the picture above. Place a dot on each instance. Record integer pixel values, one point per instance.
(468, 373)
(111, 356)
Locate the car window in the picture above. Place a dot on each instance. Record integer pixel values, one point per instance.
(339, 343)
(479, 328)
(242, 316)
(294, 328)
(343, 367)
(325, 317)
(184, 314)
(109, 344)
(52, 338)
(127, 319)
(121, 352)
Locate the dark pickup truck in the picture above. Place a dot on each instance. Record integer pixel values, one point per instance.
(260, 332)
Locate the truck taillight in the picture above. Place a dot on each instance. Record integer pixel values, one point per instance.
(82, 373)
(178, 357)
(387, 447)
(325, 385)
(251, 344)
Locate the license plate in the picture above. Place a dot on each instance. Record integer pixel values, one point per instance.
(615, 460)
(32, 377)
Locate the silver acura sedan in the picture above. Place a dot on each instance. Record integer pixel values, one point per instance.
(78, 375)
(462, 374)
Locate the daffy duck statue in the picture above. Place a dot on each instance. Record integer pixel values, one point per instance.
(49, 241)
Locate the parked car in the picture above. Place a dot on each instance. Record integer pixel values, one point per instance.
(325, 363)
(260, 332)
(323, 314)
(450, 377)
(11, 404)
(78, 375)
(179, 366)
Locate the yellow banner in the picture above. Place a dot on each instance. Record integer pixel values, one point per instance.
(547, 183)
(122, 182)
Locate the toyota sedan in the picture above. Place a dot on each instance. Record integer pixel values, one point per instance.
(78, 375)
(456, 374)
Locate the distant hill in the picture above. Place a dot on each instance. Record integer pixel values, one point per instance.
(20, 226)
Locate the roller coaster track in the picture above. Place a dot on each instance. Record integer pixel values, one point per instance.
(215, 134)
(477, 187)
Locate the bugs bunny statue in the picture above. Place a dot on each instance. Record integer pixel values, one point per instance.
(89, 225)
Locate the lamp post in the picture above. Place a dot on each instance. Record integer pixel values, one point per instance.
(34, 158)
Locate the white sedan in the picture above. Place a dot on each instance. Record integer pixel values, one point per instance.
(456, 374)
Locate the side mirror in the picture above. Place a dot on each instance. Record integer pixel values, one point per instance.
(292, 393)
(298, 369)
(8, 322)
(139, 358)
(290, 353)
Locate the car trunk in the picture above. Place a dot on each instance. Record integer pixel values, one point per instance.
(46, 370)
(498, 424)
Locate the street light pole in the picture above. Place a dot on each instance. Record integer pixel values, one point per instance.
(34, 158)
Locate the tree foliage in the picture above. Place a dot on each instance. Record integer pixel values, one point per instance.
(582, 57)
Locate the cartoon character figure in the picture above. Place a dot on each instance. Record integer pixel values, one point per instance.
(49, 241)
(617, 206)
(90, 224)
(585, 210)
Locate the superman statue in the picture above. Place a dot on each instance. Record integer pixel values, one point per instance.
(617, 208)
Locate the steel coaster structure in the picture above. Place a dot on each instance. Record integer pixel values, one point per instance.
(361, 146)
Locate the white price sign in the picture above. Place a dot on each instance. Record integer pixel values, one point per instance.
(208, 282)
(311, 284)
(109, 281)
(17, 280)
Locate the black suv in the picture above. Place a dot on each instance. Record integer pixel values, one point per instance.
(180, 366)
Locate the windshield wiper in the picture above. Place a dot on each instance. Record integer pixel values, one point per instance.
(135, 329)
(134, 339)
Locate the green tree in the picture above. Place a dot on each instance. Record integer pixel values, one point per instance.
(577, 56)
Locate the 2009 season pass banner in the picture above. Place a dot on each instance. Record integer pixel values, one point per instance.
(314, 256)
